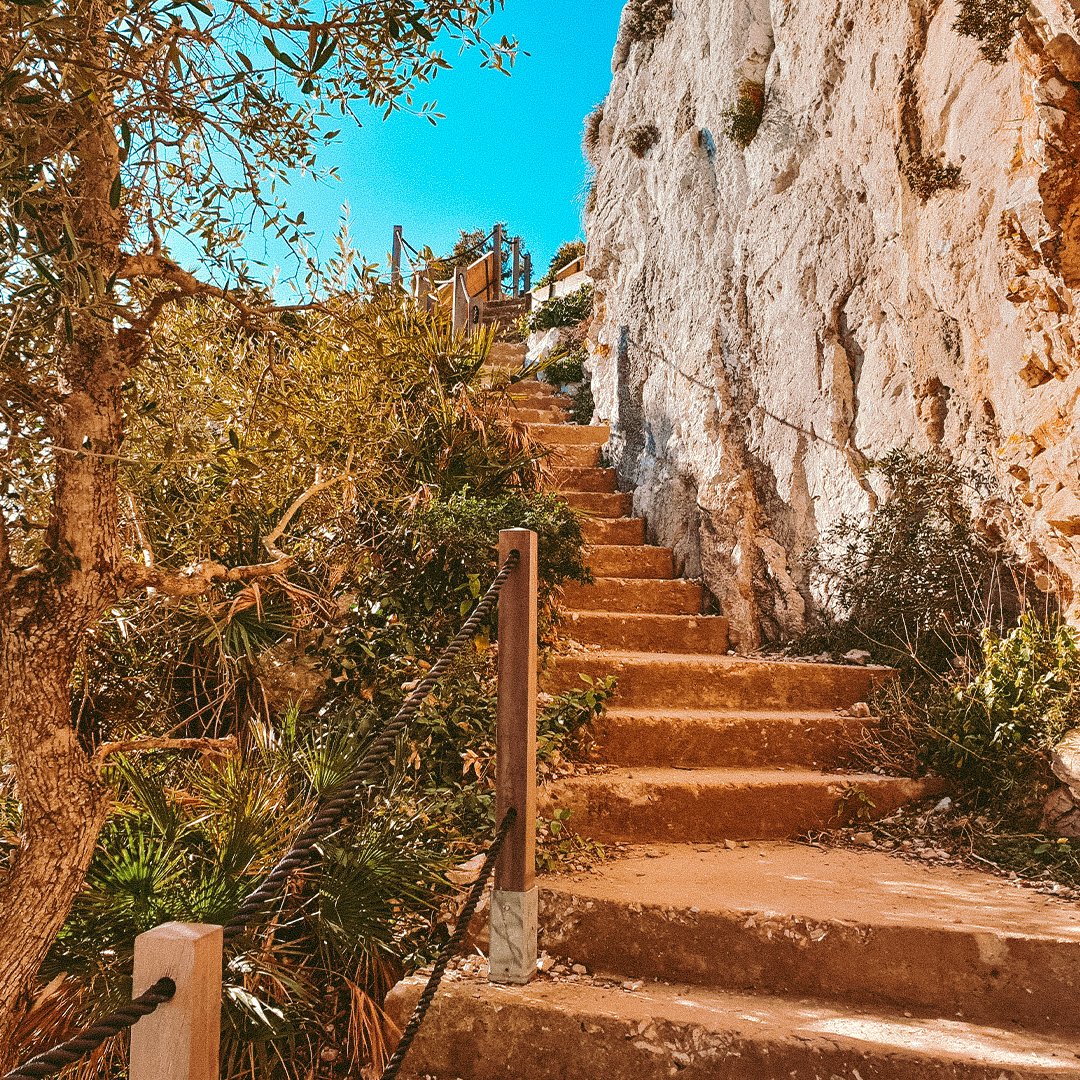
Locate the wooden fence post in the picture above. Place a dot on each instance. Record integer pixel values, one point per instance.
(512, 954)
(460, 301)
(515, 248)
(181, 1039)
(528, 274)
(498, 243)
(395, 259)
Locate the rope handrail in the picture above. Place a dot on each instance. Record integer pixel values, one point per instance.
(300, 855)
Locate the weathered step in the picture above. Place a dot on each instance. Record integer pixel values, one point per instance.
(641, 805)
(671, 681)
(608, 504)
(636, 594)
(648, 632)
(552, 415)
(584, 1031)
(582, 456)
(570, 434)
(617, 531)
(563, 479)
(631, 561)
(858, 927)
(735, 738)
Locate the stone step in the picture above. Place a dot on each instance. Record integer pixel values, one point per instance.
(671, 680)
(647, 632)
(635, 594)
(631, 561)
(546, 415)
(860, 927)
(570, 434)
(586, 1030)
(608, 504)
(583, 456)
(563, 479)
(618, 531)
(734, 738)
(534, 388)
(644, 805)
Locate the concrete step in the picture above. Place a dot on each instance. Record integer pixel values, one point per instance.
(635, 594)
(570, 434)
(647, 632)
(618, 531)
(687, 806)
(608, 504)
(563, 479)
(861, 928)
(586, 1029)
(631, 561)
(672, 680)
(734, 738)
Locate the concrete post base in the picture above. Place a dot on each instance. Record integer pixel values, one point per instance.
(514, 920)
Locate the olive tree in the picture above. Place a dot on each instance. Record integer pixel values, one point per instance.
(141, 144)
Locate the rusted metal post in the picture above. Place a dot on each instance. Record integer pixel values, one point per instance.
(512, 957)
(395, 258)
(497, 294)
(181, 1039)
(515, 247)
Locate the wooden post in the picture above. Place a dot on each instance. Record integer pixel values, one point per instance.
(497, 295)
(181, 1039)
(528, 273)
(512, 956)
(395, 259)
(460, 301)
(515, 247)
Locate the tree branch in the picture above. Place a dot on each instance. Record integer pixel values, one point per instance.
(275, 534)
(198, 578)
(126, 746)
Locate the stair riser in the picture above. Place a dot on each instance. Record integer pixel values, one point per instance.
(570, 434)
(743, 742)
(615, 504)
(647, 633)
(486, 1035)
(632, 562)
(937, 969)
(720, 684)
(636, 595)
(537, 416)
(633, 812)
(574, 456)
(583, 480)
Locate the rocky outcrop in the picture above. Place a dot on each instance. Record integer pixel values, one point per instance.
(893, 258)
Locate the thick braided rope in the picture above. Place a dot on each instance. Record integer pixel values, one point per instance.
(330, 811)
(67, 1053)
(450, 949)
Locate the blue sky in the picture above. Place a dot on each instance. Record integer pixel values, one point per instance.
(509, 148)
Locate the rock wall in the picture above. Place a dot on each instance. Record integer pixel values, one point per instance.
(770, 318)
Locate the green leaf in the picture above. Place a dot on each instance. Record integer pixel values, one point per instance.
(114, 193)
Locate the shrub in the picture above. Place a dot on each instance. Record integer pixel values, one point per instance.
(591, 133)
(743, 119)
(914, 580)
(565, 368)
(583, 406)
(641, 139)
(926, 176)
(992, 23)
(647, 20)
(566, 310)
(566, 254)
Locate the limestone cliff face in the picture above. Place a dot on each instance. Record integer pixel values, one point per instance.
(768, 319)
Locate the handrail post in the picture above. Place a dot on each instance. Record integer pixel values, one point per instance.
(515, 247)
(181, 1039)
(395, 258)
(514, 903)
(460, 302)
(497, 294)
(528, 272)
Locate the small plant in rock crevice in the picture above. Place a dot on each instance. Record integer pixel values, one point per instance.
(992, 23)
(647, 20)
(641, 139)
(743, 120)
(582, 404)
(590, 138)
(927, 176)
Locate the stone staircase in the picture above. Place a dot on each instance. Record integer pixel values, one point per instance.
(711, 945)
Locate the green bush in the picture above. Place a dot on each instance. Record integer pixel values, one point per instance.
(566, 310)
(993, 730)
(914, 581)
(992, 23)
(564, 368)
(564, 256)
